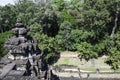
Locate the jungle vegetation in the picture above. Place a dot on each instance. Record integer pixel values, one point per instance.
(90, 27)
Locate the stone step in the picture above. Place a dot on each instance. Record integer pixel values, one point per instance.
(74, 78)
(88, 74)
(69, 78)
(6, 69)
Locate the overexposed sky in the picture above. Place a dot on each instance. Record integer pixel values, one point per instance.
(4, 2)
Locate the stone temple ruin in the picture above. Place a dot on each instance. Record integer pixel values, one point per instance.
(24, 60)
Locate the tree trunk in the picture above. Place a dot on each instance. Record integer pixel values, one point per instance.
(115, 24)
(1, 30)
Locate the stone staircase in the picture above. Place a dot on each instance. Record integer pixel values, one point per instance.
(72, 74)
(69, 67)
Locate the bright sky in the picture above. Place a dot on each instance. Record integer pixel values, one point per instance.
(4, 2)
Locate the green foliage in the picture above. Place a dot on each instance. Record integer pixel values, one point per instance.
(100, 48)
(114, 52)
(35, 28)
(6, 19)
(75, 4)
(67, 17)
(25, 10)
(3, 37)
(96, 17)
(114, 58)
(48, 46)
(64, 35)
(86, 51)
(76, 25)
(77, 37)
(60, 4)
(49, 20)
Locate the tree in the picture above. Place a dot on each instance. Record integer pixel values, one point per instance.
(1, 28)
(86, 51)
(78, 37)
(46, 44)
(113, 48)
(35, 28)
(60, 4)
(6, 19)
(49, 20)
(113, 8)
(3, 37)
(64, 35)
(96, 17)
(90, 27)
(26, 9)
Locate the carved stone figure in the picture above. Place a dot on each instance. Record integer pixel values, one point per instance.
(24, 56)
